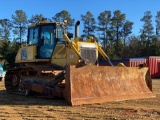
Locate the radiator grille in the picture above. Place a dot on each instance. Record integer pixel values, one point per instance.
(89, 55)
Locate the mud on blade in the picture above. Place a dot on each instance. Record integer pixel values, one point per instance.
(97, 84)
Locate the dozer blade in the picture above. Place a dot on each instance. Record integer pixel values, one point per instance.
(97, 84)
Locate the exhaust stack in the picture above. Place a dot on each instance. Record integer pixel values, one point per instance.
(77, 29)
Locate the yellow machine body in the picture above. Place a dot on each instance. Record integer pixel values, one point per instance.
(62, 55)
(80, 80)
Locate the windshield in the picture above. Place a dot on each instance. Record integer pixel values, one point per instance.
(47, 34)
(48, 41)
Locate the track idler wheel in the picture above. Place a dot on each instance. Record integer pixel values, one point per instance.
(12, 82)
(15, 81)
(8, 83)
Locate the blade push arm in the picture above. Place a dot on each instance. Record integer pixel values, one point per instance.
(104, 55)
(72, 44)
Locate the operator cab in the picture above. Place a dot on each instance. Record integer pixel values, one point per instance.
(45, 36)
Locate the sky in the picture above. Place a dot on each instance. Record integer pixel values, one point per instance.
(134, 9)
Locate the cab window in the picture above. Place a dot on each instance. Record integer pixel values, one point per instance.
(48, 41)
(33, 36)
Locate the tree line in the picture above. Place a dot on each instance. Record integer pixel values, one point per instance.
(111, 29)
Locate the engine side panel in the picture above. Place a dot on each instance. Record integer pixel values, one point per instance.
(26, 54)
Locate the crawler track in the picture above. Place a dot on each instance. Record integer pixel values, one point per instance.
(23, 80)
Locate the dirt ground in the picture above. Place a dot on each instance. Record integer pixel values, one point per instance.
(32, 108)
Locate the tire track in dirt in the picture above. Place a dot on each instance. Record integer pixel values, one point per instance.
(32, 108)
(22, 108)
(7, 113)
(33, 113)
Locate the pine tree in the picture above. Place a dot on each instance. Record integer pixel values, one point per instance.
(36, 19)
(158, 25)
(117, 30)
(104, 20)
(5, 29)
(19, 21)
(89, 24)
(62, 16)
(147, 29)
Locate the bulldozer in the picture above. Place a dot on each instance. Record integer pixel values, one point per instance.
(51, 63)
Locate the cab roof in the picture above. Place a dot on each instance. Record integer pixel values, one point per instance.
(45, 23)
